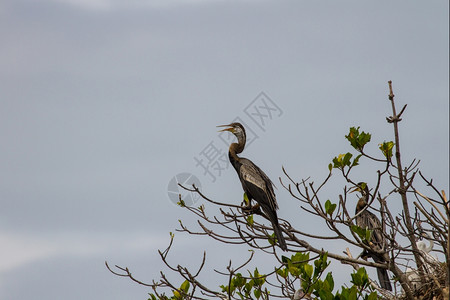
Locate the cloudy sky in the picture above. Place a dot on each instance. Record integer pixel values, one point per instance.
(103, 102)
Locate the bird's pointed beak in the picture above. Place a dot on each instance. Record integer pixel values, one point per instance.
(226, 129)
(355, 189)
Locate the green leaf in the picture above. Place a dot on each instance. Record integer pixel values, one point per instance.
(248, 287)
(321, 263)
(329, 207)
(285, 259)
(325, 295)
(295, 271)
(358, 139)
(360, 278)
(176, 294)
(368, 235)
(250, 220)
(272, 239)
(346, 160)
(356, 279)
(296, 262)
(152, 297)
(356, 160)
(352, 294)
(260, 281)
(342, 160)
(257, 293)
(283, 272)
(359, 231)
(238, 280)
(308, 270)
(330, 281)
(185, 286)
(364, 234)
(344, 293)
(337, 161)
(181, 203)
(386, 148)
(246, 200)
(300, 257)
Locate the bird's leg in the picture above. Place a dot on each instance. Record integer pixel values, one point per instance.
(249, 209)
(246, 206)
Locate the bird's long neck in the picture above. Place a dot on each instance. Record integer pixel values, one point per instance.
(235, 149)
(362, 202)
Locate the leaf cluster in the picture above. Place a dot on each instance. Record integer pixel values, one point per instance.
(364, 234)
(312, 283)
(178, 294)
(245, 287)
(358, 139)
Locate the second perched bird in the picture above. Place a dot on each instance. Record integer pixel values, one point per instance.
(368, 220)
(254, 181)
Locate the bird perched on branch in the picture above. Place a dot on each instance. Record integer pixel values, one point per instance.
(368, 220)
(254, 181)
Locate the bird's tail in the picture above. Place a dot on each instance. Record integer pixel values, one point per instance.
(272, 216)
(279, 235)
(383, 276)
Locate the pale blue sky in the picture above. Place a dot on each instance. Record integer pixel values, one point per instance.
(102, 102)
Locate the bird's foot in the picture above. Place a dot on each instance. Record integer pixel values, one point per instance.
(249, 209)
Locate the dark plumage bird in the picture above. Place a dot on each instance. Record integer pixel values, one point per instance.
(368, 220)
(254, 181)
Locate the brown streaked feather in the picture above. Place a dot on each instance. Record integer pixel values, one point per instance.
(251, 173)
(368, 220)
